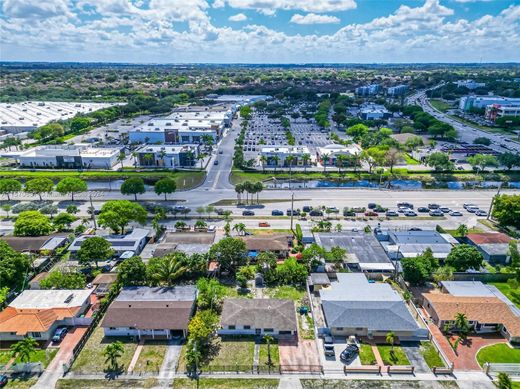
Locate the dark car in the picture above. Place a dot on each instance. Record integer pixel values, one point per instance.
(221, 152)
(276, 212)
(3, 380)
(423, 209)
(220, 211)
(405, 205)
(445, 209)
(294, 212)
(350, 353)
(59, 334)
(315, 212)
(307, 208)
(215, 162)
(372, 205)
(248, 213)
(433, 206)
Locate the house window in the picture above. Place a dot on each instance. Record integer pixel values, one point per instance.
(247, 327)
(112, 328)
(36, 334)
(231, 327)
(12, 333)
(339, 328)
(131, 328)
(268, 330)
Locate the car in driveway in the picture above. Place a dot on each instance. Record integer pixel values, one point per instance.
(248, 213)
(276, 212)
(349, 354)
(59, 334)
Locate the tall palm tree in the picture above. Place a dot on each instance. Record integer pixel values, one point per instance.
(112, 353)
(269, 339)
(168, 269)
(134, 156)
(276, 159)
(306, 158)
(462, 324)
(340, 161)
(258, 188)
(390, 339)
(148, 159)
(24, 349)
(201, 157)
(325, 160)
(263, 160)
(462, 230)
(239, 188)
(290, 160)
(162, 154)
(120, 158)
(240, 228)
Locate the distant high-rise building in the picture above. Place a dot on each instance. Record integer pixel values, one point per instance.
(470, 84)
(368, 90)
(397, 90)
(478, 102)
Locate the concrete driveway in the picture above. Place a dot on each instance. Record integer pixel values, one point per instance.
(413, 352)
(299, 355)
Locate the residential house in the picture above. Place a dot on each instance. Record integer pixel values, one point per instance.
(36, 244)
(355, 306)
(494, 246)
(275, 317)
(144, 311)
(37, 313)
(279, 244)
(133, 241)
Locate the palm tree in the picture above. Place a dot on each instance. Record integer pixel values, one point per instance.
(189, 157)
(390, 339)
(276, 159)
(340, 161)
(162, 154)
(290, 160)
(120, 158)
(324, 161)
(239, 188)
(134, 156)
(247, 188)
(24, 349)
(258, 188)
(462, 230)
(305, 158)
(269, 339)
(338, 227)
(240, 228)
(201, 157)
(462, 324)
(263, 160)
(168, 269)
(148, 159)
(113, 352)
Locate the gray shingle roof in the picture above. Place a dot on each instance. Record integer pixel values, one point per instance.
(260, 313)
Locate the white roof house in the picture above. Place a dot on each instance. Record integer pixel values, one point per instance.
(47, 299)
(133, 241)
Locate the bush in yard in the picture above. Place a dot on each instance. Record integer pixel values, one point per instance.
(13, 267)
(418, 270)
(32, 223)
(202, 326)
(59, 280)
(291, 273)
(463, 257)
(22, 207)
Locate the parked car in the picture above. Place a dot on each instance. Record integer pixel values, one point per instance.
(391, 213)
(371, 214)
(372, 205)
(315, 212)
(328, 346)
(221, 152)
(350, 353)
(435, 212)
(215, 162)
(405, 205)
(481, 212)
(263, 224)
(472, 209)
(3, 380)
(410, 213)
(276, 212)
(455, 213)
(307, 208)
(332, 210)
(248, 213)
(219, 211)
(466, 205)
(59, 334)
(445, 209)
(423, 209)
(433, 206)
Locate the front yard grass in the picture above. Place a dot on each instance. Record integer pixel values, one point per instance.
(506, 289)
(393, 357)
(226, 383)
(151, 357)
(287, 292)
(119, 383)
(21, 383)
(91, 359)
(45, 356)
(498, 353)
(366, 355)
(275, 356)
(231, 291)
(231, 355)
(430, 355)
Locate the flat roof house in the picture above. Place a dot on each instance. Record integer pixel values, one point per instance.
(410, 244)
(37, 313)
(271, 153)
(150, 312)
(355, 306)
(275, 317)
(134, 241)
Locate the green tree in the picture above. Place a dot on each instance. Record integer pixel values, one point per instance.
(7, 208)
(202, 326)
(79, 123)
(94, 249)
(165, 186)
(72, 209)
(9, 186)
(64, 220)
(269, 339)
(230, 253)
(444, 273)
(357, 132)
(210, 293)
(32, 223)
(61, 280)
(240, 228)
(506, 210)
(509, 160)
(116, 214)
(463, 257)
(462, 230)
(479, 162)
(418, 270)
(13, 267)
(113, 352)
(37, 186)
(71, 185)
(166, 270)
(133, 186)
(462, 325)
(132, 272)
(290, 272)
(24, 349)
(390, 339)
(4, 292)
(504, 381)
(439, 161)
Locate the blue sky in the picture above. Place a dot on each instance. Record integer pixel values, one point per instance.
(260, 31)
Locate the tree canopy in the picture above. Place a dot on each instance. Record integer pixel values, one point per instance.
(117, 214)
(13, 267)
(506, 209)
(165, 186)
(230, 253)
(71, 185)
(32, 223)
(133, 186)
(94, 249)
(132, 272)
(38, 186)
(463, 257)
(418, 270)
(9, 186)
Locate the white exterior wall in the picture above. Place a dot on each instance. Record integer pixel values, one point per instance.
(125, 331)
(239, 330)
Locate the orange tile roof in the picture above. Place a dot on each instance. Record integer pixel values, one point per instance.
(23, 321)
(481, 309)
(488, 237)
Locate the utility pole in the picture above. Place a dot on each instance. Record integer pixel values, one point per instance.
(93, 214)
(292, 211)
(493, 201)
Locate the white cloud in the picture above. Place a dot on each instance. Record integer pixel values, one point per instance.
(314, 19)
(27, 9)
(472, 1)
(270, 6)
(237, 18)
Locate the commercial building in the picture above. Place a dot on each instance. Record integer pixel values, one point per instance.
(151, 312)
(410, 244)
(368, 90)
(37, 313)
(470, 84)
(78, 156)
(277, 155)
(397, 90)
(167, 156)
(29, 115)
(275, 317)
(354, 306)
(173, 131)
(134, 241)
(495, 111)
(480, 102)
(328, 155)
(486, 308)
(374, 112)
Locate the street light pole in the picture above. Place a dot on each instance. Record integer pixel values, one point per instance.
(493, 201)
(292, 211)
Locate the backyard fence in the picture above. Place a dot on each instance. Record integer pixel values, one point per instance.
(251, 369)
(495, 368)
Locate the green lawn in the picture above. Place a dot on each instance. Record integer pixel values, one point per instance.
(151, 357)
(508, 292)
(367, 355)
(440, 105)
(275, 355)
(21, 383)
(226, 383)
(315, 383)
(43, 356)
(498, 353)
(231, 291)
(287, 292)
(395, 357)
(91, 358)
(119, 383)
(409, 160)
(232, 354)
(430, 355)
(472, 230)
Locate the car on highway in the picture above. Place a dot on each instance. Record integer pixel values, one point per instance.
(455, 213)
(59, 334)
(215, 162)
(481, 212)
(423, 209)
(263, 224)
(391, 214)
(350, 353)
(248, 213)
(436, 212)
(276, 212)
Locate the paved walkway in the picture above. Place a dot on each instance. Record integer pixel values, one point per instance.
(375, 350)
(256, 355)
(290, 383)
(167, 371)
(135, 358)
